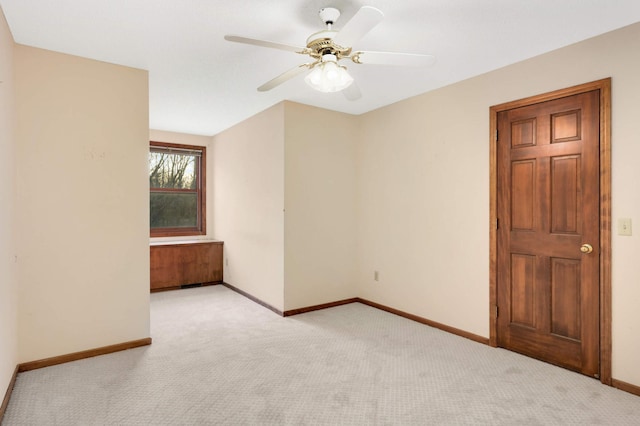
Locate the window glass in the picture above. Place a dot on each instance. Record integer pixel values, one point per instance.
(176, 210)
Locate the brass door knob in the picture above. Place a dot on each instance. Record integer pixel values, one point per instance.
(586, 248)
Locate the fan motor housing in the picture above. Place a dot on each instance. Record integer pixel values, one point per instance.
(321, 43)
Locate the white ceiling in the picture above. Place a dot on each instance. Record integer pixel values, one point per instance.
(199, 83)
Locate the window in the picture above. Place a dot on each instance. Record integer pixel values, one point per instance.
(177, 185)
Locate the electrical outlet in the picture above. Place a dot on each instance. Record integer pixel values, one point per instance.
(376, 276)
(624, 226)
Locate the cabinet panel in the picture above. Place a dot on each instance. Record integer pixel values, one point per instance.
(177, 264)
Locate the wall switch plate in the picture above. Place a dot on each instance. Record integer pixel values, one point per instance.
(624, 226)
(376, 276)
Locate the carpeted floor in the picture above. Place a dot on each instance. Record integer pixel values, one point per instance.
(219, 359)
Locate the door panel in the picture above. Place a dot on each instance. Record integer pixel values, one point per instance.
(522, 290)
(523, 194)
(565, 185)
(548, 207)
(565, 298)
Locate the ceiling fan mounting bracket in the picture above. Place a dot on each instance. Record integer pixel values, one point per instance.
(329, 15)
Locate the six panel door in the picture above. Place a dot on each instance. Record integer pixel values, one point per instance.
(548, 234)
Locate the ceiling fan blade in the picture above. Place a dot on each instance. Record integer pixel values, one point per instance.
(352, 92)
(287, 75)
(362, 22)
(392, 58)
(264, 43)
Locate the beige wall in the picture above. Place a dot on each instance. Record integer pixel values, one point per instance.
(82, 215)
(424, 208)
(247, 204)
(189, 139)
(320, 206)
(283, 198)
(8, 277)
(424, 190)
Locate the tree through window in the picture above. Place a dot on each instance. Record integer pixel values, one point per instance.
(177, 189)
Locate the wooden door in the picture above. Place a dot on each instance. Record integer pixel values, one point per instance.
(548, 195)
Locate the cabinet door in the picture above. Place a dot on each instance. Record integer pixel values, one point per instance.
(201, 263)
(165, 270)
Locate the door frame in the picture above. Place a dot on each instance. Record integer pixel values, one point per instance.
(604, 86)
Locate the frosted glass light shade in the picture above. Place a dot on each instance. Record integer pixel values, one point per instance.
(328, 76)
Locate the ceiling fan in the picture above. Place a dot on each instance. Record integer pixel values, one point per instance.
(327, 47)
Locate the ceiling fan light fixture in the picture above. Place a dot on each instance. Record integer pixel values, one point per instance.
(328, 76)
(327, 47)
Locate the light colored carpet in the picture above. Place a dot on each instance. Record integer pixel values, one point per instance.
(218, 358)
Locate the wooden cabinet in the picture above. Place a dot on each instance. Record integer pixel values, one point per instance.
(175, 264)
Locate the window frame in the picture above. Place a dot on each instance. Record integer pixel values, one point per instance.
(201, 186)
